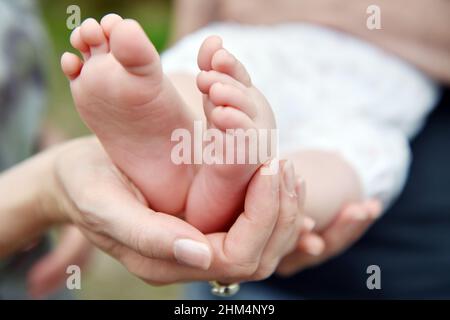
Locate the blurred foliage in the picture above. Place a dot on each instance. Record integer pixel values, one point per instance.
(106, 278)
(153, 15)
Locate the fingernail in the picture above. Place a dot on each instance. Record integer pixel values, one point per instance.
(301, 192)
(375, 209)
(309, 223)
(315, 246)
(360, 215)
(192, 253)
(275, 179)
(289, 177)
(357, 218)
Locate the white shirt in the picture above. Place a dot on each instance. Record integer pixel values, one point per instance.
(329, 91)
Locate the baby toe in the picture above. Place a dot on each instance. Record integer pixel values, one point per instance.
(223, 61)
(206, 79)
(92, 34)
(133, 50)
(71, 65)
(108, 22)
(224, 118)
(228, 95)
(79, 44)
(206, 52)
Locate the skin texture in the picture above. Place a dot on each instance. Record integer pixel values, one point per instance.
(74, 248)
(397, 37)
(136, 109)
(143, 240)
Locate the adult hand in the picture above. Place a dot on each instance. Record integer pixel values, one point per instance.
(89, 191)
(162, 249)
(344, 231)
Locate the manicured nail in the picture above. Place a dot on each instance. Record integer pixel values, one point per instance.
(289, 177)
(315, 246)
(192, 253)
(300, 189)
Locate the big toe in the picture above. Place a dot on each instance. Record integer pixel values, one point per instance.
(131, 47)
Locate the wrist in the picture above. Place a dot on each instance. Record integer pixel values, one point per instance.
(49, 208)
(25, 191)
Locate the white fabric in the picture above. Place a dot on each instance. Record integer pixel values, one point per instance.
(329, 91)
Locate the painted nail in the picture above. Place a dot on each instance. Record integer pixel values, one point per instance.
(192, 253)
(289, 177)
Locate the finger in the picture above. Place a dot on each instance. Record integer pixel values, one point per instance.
(163, 272)
(349, 226)
(225, 267)
(285, 235)
(106, 205)
(248, 237)
(296, 262)
(308, 224)
(235, 252)
(374, 207)
(311, 244)
(49, 273)
(157, 235)
(310, 251)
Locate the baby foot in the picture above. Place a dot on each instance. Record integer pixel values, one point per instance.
(123, 96)
(230, 102)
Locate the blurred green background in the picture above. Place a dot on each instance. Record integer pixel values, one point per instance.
(153, 15)
(104, 278)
